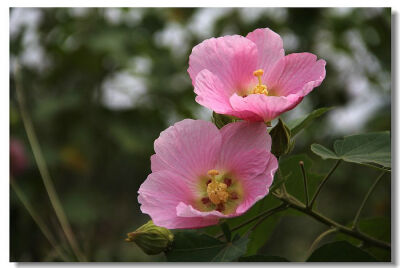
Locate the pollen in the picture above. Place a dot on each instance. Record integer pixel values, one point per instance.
(260, 88)
(217, 192)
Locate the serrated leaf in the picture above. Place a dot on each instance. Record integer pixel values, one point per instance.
(370, 148)
(193, 247)
(297, 125)
(262, 258)
(340, 251)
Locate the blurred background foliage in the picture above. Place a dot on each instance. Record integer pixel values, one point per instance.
(101, 84)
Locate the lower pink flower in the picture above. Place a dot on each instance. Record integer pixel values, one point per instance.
(201, 174)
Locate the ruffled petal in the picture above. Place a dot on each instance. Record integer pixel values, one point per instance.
(269, 46)
(257, 188)
(244, 148)
(189, 148)
(211, 92)
(231, 58)
(296, 73)
(265, 107)
(160, 194)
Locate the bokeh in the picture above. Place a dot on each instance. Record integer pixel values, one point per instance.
(101, 84)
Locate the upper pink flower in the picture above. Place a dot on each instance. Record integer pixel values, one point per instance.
(250, 77)
(201, 174)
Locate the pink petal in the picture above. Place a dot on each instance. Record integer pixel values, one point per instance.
(159, 196)
(266, 107)
(270, 48)
(257, 188)
(297, 73)
(189, 148)
(211, 92)
(244, 148)
(231, 58)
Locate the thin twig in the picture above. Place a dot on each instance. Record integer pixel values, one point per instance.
(36, 218)
(42, 166)
(357, 217)
(301, 163)
(322, 184)
(319, 238)
(265, 213)
(272, 212)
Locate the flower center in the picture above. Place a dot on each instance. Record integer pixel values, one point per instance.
(216, 191)
(260, 88)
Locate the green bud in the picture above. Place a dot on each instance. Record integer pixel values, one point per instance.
(281, 139)
(150, 238)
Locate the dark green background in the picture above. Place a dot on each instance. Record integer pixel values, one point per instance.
(98, 150)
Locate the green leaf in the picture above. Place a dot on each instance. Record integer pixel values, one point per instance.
(281, 143)
(378, 228)
(297, 125)
(221, 120)
(323, 152)
(371, 148)
(340, 251)
(262, 258)
(193, 247)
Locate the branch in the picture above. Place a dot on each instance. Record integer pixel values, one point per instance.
(298, 205)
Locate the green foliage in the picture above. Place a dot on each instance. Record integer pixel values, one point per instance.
(221, 120)
(192, 247)
(370, 148)
(262, 258)
(340, 251)
(299, 124)
(281, 142)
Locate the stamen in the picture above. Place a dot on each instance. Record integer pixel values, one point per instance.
(260, 88)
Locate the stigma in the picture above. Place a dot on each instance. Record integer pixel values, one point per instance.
(216, 191)
(260, 88)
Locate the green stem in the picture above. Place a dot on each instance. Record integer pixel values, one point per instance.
(261, 215)
(319, 238)
(48, 183)
(36, 218)
(298, 205)
(323, 183)
(357, 217)
(301, 163)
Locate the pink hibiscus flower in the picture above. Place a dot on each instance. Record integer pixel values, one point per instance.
(201, 174)
(250, 77)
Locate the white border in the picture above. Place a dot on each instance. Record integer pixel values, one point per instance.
(4, 96)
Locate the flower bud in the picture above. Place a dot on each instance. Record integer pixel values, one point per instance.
(151, 239)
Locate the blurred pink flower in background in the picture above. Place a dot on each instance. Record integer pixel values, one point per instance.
(18, 158)
(201, 174)
(250, 77)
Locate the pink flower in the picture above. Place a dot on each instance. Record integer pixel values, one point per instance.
(201, 174)
(250, 77)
